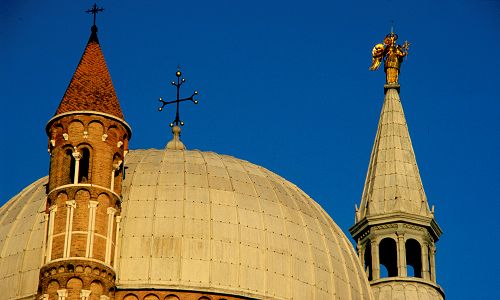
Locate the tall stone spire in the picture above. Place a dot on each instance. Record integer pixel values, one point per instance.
(88, 142)
(394, 228)
(393, 183)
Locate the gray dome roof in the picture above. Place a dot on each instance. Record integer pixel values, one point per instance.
(202, 221)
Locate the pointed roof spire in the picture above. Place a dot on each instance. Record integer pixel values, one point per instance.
(91, 88)
(393, 183)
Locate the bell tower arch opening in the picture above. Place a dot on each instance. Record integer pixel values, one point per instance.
(388, 258)
(84, 170)
(413, 258)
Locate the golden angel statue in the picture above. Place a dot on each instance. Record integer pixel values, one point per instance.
(393, 56)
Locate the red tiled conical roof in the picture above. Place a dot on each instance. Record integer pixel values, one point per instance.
(91, 88)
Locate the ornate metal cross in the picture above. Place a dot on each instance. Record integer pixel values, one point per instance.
(94, 10)
(178, 84)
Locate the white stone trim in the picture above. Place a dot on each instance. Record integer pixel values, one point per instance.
(77, 156)
(112, 186)
(45, 234)
(116, 167)
(91, 228)
(70, 208)
(118, 220)
(109, 235)
(52, 214)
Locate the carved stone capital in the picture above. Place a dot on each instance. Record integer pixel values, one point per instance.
(62, 294)
(77, 155)
(117, 165)
(71, 203)
(85, 294)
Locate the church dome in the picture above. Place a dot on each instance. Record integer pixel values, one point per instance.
(201, 221)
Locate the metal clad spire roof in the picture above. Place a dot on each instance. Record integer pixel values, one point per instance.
(91, 88)
(393, 183)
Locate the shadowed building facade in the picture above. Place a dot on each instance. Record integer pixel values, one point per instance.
(194, 225)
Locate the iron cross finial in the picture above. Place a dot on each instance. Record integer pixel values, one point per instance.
(94, 10)
(178, 85)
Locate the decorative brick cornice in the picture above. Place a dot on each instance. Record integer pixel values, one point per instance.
(85, 270)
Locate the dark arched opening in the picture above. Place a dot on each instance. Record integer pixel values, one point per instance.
(368, 260)
(413, 258)
(83, 174)
(388, 258)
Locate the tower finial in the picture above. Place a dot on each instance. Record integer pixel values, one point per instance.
(178, 85)
(392, 54)
(94, 10)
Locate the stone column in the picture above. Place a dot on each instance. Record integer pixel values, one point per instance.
(433, 262)
(44, 243)
(50, 233)
(70, 207)
(117, 236)
(116, 167)
(425, 261)
(375, 260)
(85, 294)
(402, 272)
(62, 294)
(361, 252)
(109, 235)
(77, 155)
(91, 228)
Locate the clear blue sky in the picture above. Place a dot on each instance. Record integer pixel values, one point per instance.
(284, 84)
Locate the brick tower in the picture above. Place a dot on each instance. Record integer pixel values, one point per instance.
(88, 140)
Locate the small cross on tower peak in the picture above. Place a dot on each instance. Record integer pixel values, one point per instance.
(94, 10)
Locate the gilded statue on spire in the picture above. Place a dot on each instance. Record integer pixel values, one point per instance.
(393, 57)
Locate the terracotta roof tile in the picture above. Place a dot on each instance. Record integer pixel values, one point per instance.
(91, 88)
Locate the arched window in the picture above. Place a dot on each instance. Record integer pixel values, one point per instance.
(83, 174)
(368, 260)
(413, 258)
(388, 258)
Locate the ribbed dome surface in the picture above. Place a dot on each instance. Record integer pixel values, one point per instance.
(201, 221)
(21, 238)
